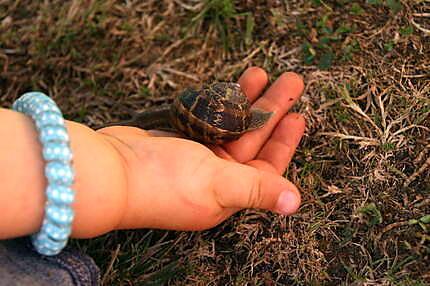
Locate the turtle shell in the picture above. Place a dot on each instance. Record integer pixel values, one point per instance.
(214, 114)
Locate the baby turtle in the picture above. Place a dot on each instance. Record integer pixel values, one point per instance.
(215, 114)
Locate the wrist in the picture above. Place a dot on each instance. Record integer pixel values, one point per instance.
(129, 145)
(100, 184)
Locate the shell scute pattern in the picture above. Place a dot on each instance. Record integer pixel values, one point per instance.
(214, 114)
(224, 106)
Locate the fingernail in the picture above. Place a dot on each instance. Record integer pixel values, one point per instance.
(287, 203)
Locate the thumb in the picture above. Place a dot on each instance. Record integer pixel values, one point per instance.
(242, 186)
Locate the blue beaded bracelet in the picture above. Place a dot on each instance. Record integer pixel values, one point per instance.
(57, 223)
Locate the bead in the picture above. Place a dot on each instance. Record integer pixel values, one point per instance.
(59, 173)
(59, 215)
(18, 107)
(56, 151)
(60, 194)
(49, 118)
(35, 108)
(53, 133)
(33, 103)
(43, 241)
(56, 232)
(36, 96)
(46, 251)
(42, 249)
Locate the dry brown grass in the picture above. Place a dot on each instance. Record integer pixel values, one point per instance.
(363, 166)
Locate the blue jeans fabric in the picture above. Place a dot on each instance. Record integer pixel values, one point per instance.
(20, 264)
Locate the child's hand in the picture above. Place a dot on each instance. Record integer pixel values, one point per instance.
(174, 183)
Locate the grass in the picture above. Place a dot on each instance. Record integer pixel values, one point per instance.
(362, 166)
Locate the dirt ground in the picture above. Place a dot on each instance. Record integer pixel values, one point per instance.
(363, 166)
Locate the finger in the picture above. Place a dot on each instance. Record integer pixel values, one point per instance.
(279, 98)
(279, 149)
(241, 186)
(262, 165)
(252, 82)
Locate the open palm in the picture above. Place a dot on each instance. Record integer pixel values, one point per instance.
(175, 183)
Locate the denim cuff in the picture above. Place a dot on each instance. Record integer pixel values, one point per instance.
(20, 264)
